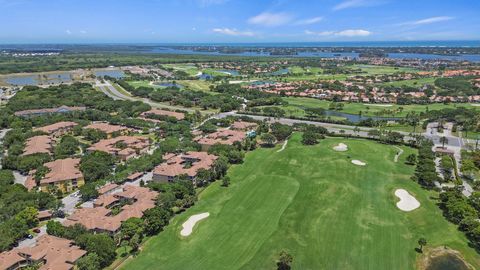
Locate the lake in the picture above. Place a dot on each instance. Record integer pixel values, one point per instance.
(51, 78)
(229, 72)
(117, 74)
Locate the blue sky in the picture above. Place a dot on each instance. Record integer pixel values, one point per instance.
(161, 21)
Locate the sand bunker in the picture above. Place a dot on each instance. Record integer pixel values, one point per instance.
(190, 223)
(407, 202)
(341, 147)
(358, 162)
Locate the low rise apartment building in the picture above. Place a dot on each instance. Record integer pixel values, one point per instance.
(49, 253)
(110, 130)
(58, 129)
(134, 201)
(225, 136)
(124, 147)
(183, 164)
(37, 145)
(63, 175)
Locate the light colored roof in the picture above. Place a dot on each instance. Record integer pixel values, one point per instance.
(58, 253)
(226, 136)
(38, 144)
(9, 259)
(134, 175)
(107, 188)
(56, 127)
(108, 145)
(177, 115)
(242, 125)
(106, 127)
(175, 165)
(62, 170)
(100, 218)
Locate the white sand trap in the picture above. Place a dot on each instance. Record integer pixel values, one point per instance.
(340, 147)
(378, 105)
(476, 105)
(190, 223)
(407, 202)
(358, 162)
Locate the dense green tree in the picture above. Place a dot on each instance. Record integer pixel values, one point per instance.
(96, 165)
(90, 261)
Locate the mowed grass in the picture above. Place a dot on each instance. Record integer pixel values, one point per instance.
(371, 109)
(311, 201)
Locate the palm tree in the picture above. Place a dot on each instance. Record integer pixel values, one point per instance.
(443, 141)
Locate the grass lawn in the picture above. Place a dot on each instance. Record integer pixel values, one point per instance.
(144, 83)
(372, 109)
(412, 83)
(313, 202)
(197, 85)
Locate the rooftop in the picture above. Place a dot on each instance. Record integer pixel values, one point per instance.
(188, 163)
(56, 127)
(177, 115)
(225, 136)
(106, 127)
(61, 170)
(38, 144)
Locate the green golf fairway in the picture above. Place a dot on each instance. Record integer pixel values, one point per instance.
(313, 202)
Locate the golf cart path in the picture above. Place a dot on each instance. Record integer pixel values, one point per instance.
(400, 151)
(283, 146)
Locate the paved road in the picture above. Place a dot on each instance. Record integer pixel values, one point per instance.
(70, 201)
(112, 92)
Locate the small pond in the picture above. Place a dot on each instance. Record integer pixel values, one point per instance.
(447, 261)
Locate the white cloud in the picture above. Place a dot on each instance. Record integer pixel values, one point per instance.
(353, 33)
(324, 33)
(309, 21)
(270, 19)
(83, 31)
(68, 32)
(357, 3)
(344, 33)
(429, 20)
(194, 29)
(233, 32)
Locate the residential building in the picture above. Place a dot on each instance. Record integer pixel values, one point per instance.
(109, 129)
(244, 126)
(158, 112)
(225, 136)
(64, 175)
(38, 144)
(58, 129)
(134, 201)
(125, 147)
(36, 112)
(49, 253)
(183, 164)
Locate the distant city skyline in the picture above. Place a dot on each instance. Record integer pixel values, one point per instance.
(234, 21)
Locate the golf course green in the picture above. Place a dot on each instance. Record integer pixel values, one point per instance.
(314, 203)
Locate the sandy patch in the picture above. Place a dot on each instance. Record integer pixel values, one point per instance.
(190, 223)
(358, 162)
(407, 202)
(340, 147)
(475, 105)
(379, 105)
